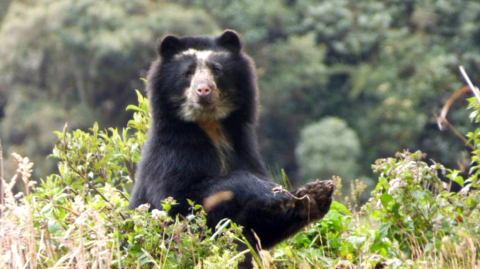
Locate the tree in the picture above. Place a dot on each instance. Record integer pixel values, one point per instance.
(326, 148)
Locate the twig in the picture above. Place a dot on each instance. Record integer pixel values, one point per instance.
(474, 89)
(457, 133)
(2, 202)
(65, 208)
(443, 115)
(238, 256)
(280, 189)
(448, 104)
(121, 193)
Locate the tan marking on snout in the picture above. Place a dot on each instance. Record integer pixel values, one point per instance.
(203, 74)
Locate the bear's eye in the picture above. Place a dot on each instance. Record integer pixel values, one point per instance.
(189, 73)
(216, 70)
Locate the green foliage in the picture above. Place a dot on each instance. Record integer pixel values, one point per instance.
(349, 28)
(100, 157)
(24, 132)
(412, 220)
(326, 148)
(80, 216)
(296, 75)
(339, 238)
(413, 204)
(259, 21)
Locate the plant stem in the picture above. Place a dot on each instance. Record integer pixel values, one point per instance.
(2, 202)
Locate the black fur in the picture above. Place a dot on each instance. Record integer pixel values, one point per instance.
(180, 160)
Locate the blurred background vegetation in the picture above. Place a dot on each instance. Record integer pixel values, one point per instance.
(342, 82)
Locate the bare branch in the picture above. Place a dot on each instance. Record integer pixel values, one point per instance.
(474, 89)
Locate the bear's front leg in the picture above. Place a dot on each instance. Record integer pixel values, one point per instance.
(276, 214)
(266, 211)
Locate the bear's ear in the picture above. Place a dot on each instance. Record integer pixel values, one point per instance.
(230, 40)
(169, 46)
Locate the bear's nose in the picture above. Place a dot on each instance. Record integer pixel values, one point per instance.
(203, 90)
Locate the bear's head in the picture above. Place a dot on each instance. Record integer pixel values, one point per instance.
(202, 78)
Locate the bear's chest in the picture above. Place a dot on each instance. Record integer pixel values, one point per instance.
(214, 130)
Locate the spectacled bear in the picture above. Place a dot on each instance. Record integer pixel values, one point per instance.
(202, 143)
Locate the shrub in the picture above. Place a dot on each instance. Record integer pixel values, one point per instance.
(328, 147)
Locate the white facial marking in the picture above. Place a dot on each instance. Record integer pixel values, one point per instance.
(202, 55)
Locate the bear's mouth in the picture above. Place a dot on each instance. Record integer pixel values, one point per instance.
(205, 105)
(331, 187)
(194, 110)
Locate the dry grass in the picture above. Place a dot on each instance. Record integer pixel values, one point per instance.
(26, 245)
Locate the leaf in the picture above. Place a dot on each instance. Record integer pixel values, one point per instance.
(386, 199)
(428, 247)
(219, 228)
(133, 108)
(47, 208)
(53, 226)
(459, 180)
(418, 194)
(340, 208)
(166, 206)
(377, 214)
(357, 240)
(384, 228)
